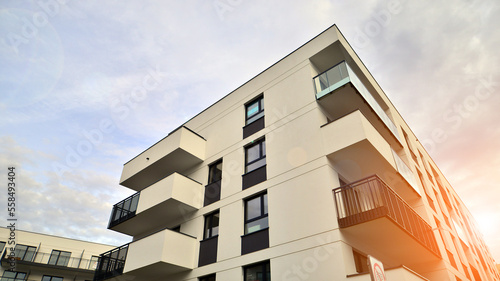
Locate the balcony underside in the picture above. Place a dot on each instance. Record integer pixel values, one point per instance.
(357, 150)
(178, 152)
(154, 217)
(165, 201)
(385, 239)
(155, 271)
(27, 266)
(177, 160)
(347, 99)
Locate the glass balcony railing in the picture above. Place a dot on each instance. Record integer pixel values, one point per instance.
(111, 263)
(405, 172)
(124, 210)
(371, 198)
(342, 74)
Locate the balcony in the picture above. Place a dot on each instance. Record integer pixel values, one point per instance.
(170, 198)
(180, 150)
(44, 260)
(374, 218)
(153, 257)
(357, 149)
(339, 91)
(111, 263)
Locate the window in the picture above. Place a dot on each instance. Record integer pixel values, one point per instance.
(258, 272)
(361, 262)
(59, 258)
(24, 252)
(254, 110)
(215, 172)
(256, 214)
(13, 276)
(255, 156)
(208, 278)
(93, 262)
(211, 225)
(51, 278)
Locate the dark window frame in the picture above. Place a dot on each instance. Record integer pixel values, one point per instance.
(262, 215)
(93, 262)
(263, 265)
(360, 261)
(261, 143)
(260, 103)
(207, 231)
(26, 251)
(15, 278)
(2, 246)
(51, 278)
(210, 277)
(57, 255)
(212, 171)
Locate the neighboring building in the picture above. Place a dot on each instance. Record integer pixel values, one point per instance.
(243, 191)
(42, 257)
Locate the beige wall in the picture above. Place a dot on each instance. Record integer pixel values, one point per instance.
(304, 232)
(45, 244)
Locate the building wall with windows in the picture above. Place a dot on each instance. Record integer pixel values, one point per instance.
(42, 257)
(298, 174)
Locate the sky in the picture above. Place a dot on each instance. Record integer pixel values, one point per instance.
(87, 85)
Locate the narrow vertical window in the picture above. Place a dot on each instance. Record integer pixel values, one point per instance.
(258, 272)
(254, 117)
(215, 172)
(211, 225)
(255, 156)
(213, 188)
(256, 214)
(254, 110)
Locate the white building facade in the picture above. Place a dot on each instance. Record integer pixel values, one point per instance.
(299, 174)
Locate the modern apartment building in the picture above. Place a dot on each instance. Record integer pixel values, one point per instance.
(42, 257)
(299, 174)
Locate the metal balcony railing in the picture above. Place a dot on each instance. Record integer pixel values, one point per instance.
(371, 198)
(51, 259)
(124, 210)
(111, 263)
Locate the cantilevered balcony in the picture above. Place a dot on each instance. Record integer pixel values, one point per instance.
(153, 257)
(357, 150)
(339, 91)
(170, 198)
(372, 216)
(180, 150)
